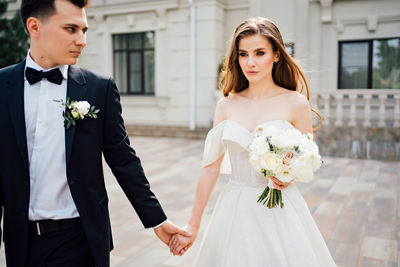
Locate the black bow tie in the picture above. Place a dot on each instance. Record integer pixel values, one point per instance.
(33, 76)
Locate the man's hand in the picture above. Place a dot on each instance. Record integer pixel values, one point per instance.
(167, 229)
(179, 244)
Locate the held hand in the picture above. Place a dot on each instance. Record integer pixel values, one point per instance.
(278, 184)
(167, 230)
(180, 244)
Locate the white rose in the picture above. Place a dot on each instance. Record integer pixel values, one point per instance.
(82, 107)
(286, 175)
(259, 145)
(302, 169)
(271, 162)
(289, 138)
(272, 130)
(255, 159)
(315, 160)
(308, 145)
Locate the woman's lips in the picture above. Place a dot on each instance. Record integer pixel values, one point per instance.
(252, 72)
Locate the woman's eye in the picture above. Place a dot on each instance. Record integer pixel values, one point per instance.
(260, 53)
(242, 54)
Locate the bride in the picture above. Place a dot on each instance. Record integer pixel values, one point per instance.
(262, 85)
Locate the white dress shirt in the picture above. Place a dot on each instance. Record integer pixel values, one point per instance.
(50, 196)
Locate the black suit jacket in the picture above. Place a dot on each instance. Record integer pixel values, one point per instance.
(84, 145)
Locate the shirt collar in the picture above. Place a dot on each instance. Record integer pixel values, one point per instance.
(32, 64)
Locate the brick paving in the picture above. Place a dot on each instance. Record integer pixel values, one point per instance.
(354, 202)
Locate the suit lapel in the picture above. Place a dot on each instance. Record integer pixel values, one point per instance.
(17, 109)
(76, 91)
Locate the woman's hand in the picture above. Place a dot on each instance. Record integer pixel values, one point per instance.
(179, 244)
(278, 184)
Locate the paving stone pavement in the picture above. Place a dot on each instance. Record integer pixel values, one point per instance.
(355, 204)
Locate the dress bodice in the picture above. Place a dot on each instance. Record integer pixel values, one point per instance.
(230, 136)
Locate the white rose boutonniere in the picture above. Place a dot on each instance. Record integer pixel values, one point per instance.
(79, 109)
(76, 110)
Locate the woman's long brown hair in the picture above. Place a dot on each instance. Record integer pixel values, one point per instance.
(285, 73)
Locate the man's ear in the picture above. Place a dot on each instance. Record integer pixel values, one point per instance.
(33, 25)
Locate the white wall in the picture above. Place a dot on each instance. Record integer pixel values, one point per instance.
(315, 26)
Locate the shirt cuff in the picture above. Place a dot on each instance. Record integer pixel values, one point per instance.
(155, 227)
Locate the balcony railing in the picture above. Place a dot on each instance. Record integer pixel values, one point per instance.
(359, 107)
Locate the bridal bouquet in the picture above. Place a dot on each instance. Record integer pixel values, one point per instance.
(286, 154)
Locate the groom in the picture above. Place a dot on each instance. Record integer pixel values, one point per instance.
(52, 187)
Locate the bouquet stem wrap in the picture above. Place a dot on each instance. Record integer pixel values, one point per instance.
(271, 197)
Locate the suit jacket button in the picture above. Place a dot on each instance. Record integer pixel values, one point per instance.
(71, 182)
(26, 182)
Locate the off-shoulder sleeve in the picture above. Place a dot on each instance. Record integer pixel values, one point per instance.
(213, 146)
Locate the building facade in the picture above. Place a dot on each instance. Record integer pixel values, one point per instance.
(165, 56)
(170, 77)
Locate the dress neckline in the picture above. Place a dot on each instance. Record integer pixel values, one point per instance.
(247, 130)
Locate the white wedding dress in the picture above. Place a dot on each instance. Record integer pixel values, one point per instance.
(242, 232)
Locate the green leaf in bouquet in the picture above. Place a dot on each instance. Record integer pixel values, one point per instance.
(271, 198)
(267, 173)
(263, 195)
(280, 198)
(271, 148)
(296, 149)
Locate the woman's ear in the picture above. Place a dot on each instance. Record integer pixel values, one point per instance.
(277, 55)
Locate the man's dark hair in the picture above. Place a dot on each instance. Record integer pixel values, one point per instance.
(43, 9)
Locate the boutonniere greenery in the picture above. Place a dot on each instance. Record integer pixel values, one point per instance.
(76, 110)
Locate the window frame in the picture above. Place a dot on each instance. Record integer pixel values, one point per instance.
(370, 57)
(291, 46)
(141, 51)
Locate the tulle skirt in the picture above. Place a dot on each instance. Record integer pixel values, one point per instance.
(243, 233)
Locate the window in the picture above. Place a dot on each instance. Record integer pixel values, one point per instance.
(290, 48)
(371, 64)
(134, 62)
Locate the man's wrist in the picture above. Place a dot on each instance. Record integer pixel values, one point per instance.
(159, 225)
